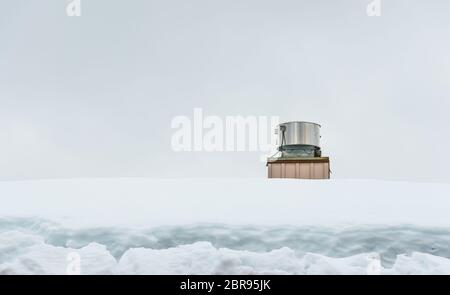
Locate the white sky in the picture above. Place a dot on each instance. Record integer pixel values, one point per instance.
(93, 96)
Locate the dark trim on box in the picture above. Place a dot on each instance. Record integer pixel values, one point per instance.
(298, 160)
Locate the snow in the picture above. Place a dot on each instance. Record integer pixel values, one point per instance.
(246, 201)
(204, 258)
(211, 226)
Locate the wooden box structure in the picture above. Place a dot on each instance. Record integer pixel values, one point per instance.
(301, 168)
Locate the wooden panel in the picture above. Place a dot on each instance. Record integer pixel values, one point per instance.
(289, 170)
(276, 170)
(317, 171)
(299, 169)
(304, 171)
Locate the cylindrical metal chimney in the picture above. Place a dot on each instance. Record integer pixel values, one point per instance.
(299, 139)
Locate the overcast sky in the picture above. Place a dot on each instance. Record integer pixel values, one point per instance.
(94, 96)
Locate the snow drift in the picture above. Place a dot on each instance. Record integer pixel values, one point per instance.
(143, 226)
(36, 257)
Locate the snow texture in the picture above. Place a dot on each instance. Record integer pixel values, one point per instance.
(143, 226)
